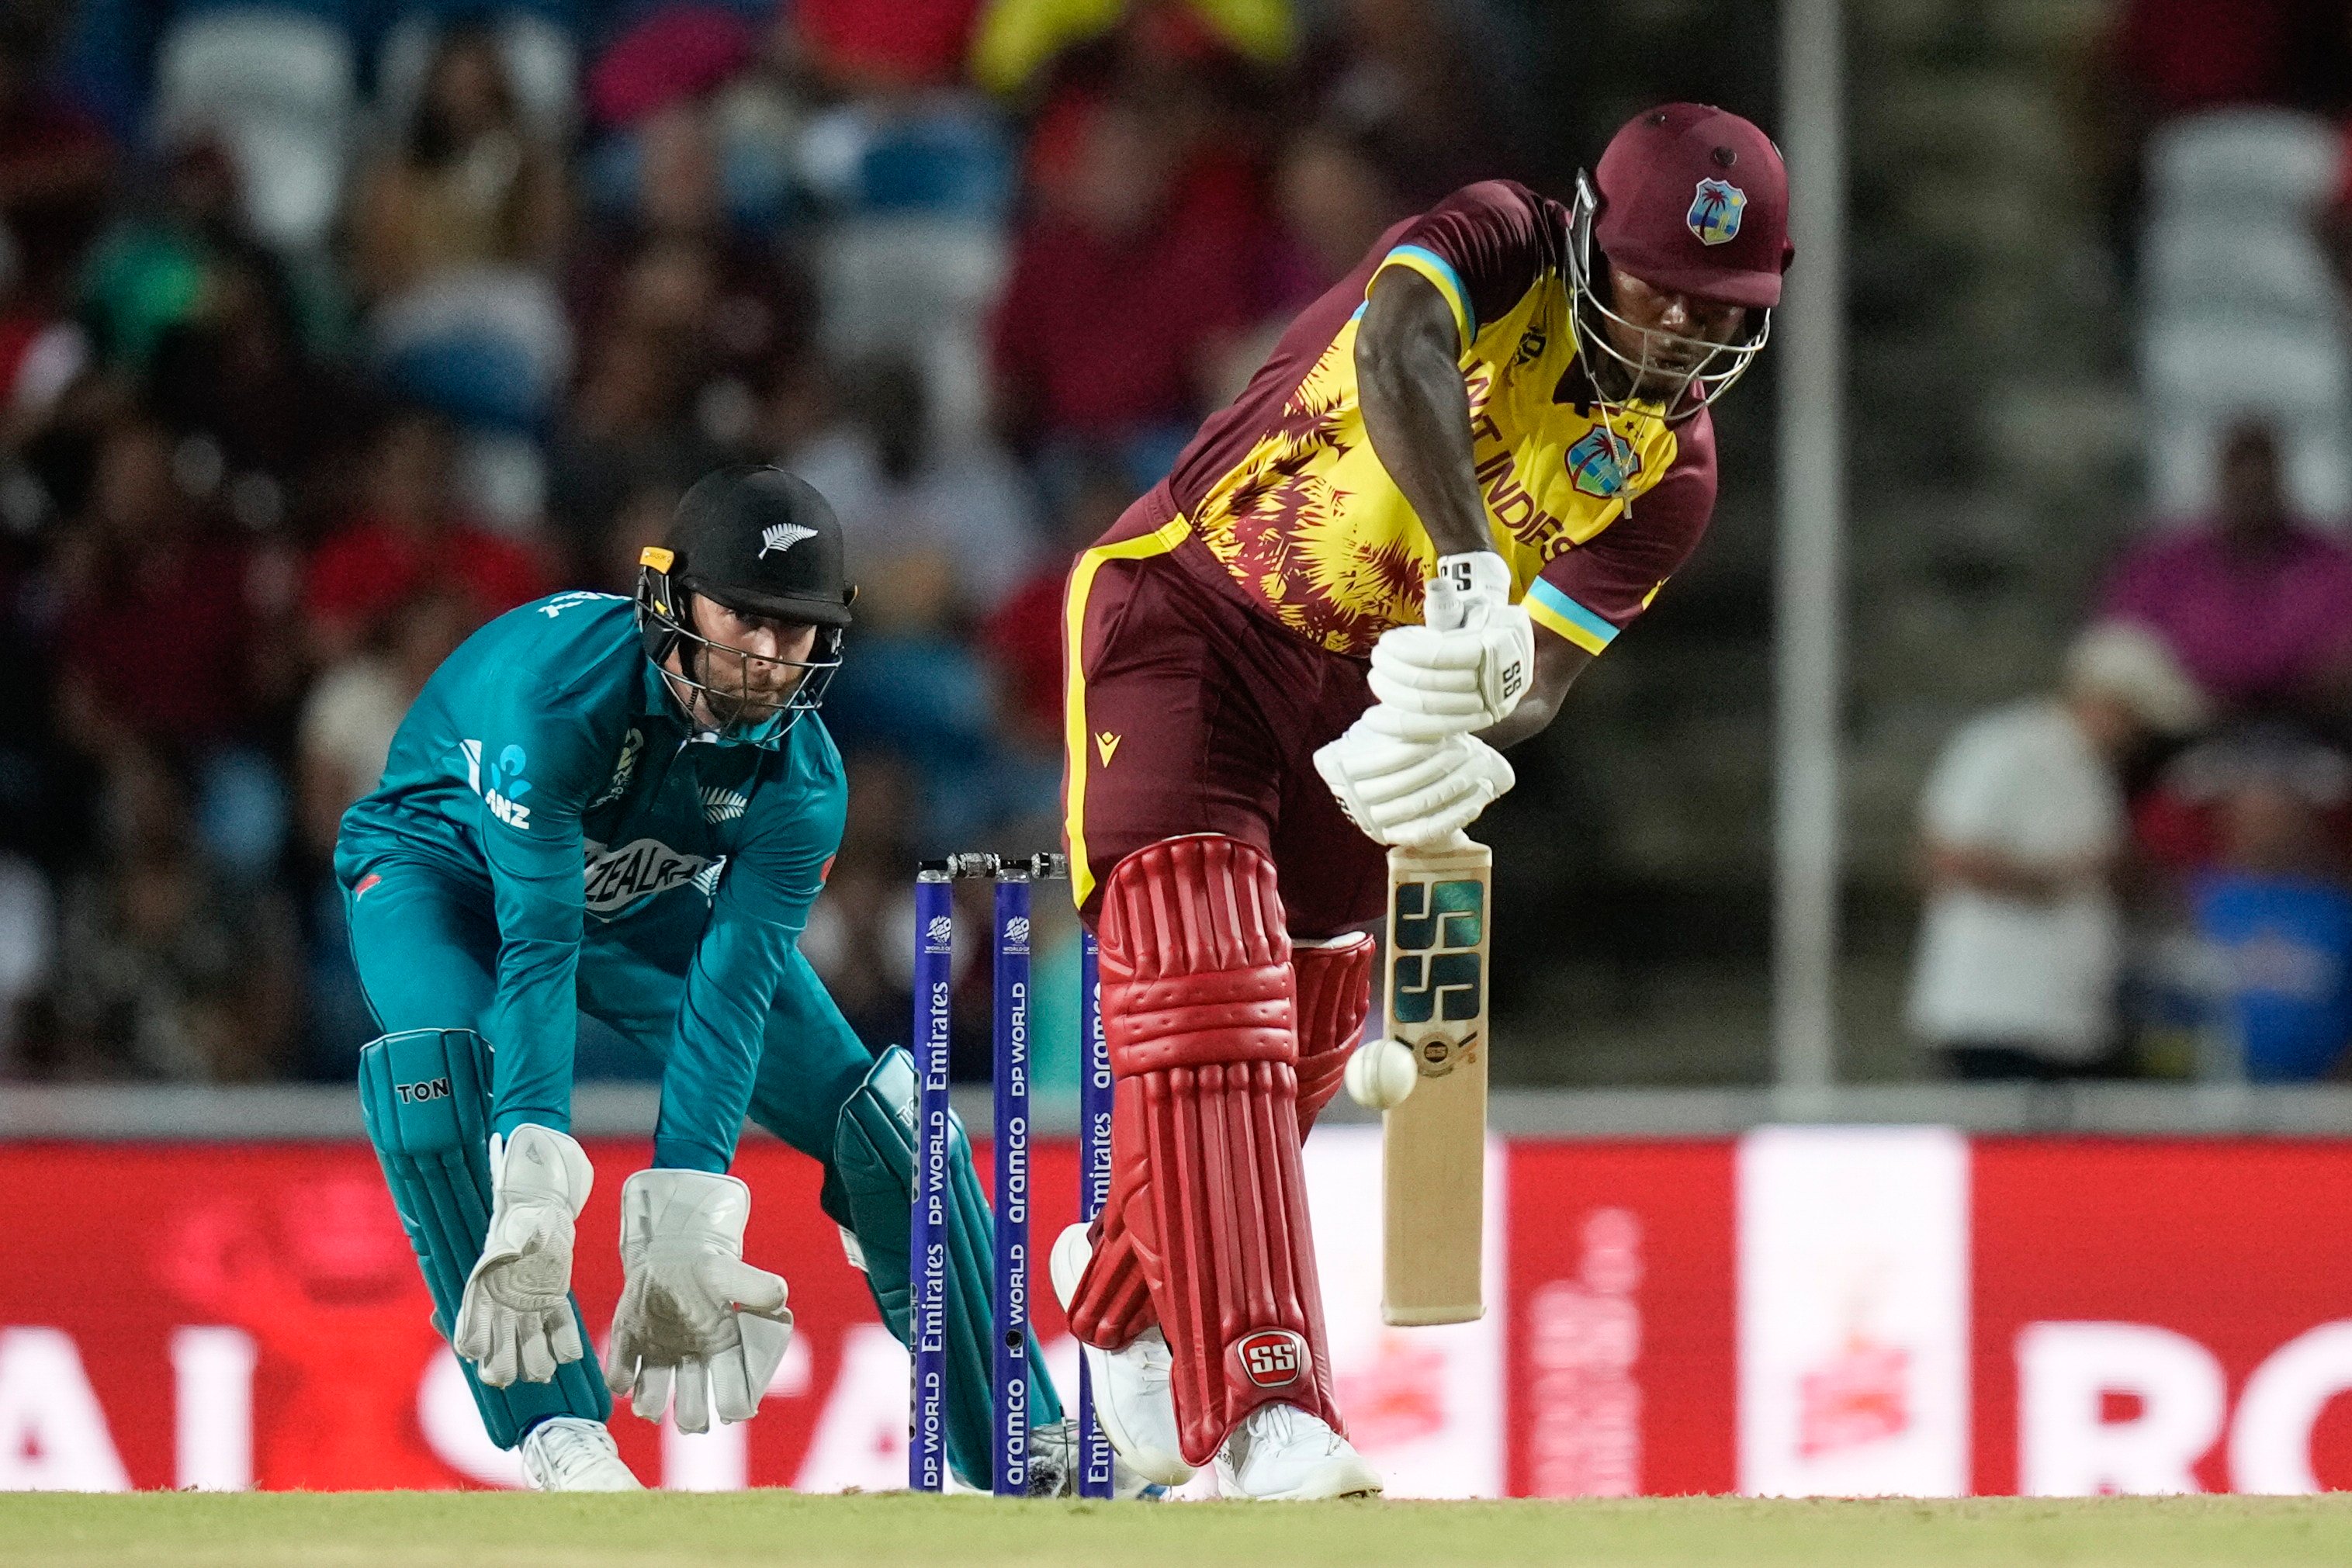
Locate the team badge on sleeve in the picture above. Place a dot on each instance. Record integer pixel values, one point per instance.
(1715, 211)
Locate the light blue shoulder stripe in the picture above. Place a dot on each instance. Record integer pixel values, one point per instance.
(1570, 610)
(1454, 278)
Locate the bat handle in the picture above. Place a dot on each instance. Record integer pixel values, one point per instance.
(1457, 842)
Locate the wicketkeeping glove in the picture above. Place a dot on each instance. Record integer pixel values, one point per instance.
(1468, 663)
(1417, 793)
(693, 1315)
(515, 1319)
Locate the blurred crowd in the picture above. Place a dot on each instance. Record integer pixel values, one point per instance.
(2149, 872)
(326, 333)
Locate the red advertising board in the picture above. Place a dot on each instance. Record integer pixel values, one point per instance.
(2120, 1316)
(177, 1314)
(2162, 1315)
(1618, 1344)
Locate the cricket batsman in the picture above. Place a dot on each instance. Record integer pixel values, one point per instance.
(1464, 471)
(624, 810)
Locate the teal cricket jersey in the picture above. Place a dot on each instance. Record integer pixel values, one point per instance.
(546, 768)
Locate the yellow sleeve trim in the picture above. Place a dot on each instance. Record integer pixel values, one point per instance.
(1556, 612)
(1439, 271)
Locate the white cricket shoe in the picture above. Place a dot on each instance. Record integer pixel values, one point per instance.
(1280, 1453)
(1133, 1397)
(569, 1453)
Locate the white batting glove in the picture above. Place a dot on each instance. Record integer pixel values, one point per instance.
(515, 1319)
(1468, 663)
(1417, 793)
(693, 1315)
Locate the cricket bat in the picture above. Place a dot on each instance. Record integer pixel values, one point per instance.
(1434, 1145)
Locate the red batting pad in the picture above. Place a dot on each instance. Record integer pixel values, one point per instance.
(1113, 1303)
(1335, 992)
(1197, 1004)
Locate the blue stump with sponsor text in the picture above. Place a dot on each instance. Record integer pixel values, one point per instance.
(927, 1452)
(1010, 1075)
(1011, 1379)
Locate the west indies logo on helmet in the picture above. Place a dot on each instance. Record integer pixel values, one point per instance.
(1691, 200)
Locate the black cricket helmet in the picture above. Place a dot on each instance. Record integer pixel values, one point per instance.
(759, 541)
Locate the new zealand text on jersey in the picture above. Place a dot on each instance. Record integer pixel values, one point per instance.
(617, 877)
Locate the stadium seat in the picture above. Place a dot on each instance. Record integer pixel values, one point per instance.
(502, 481)
(757, 178)
(2270, 271)
(2258, 159)
(99, 62)
(277, 86)
(540, 59)
(949, 160)
(2239, 312)
(2200, 373)
(488, 346)
(919, 286)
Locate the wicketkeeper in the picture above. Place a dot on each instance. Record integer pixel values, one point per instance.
(1464, 471)
(624, 810)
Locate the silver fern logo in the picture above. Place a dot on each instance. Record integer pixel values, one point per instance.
(720, 805)
(782, 537)
(706, 881)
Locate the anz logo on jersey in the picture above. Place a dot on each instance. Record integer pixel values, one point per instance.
(617, 878)
(500, 784)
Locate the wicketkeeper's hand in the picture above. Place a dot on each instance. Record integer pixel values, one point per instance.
(1417, 793)
(515, 1318)
(693, 1315)
(1469, 663)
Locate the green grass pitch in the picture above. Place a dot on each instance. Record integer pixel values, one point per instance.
(429, 1530)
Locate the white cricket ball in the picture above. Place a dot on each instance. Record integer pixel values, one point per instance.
(1381, 1073)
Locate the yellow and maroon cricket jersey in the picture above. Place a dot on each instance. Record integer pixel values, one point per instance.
(1285, 490)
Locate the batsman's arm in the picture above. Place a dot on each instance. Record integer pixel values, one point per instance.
(1417, 407)
(1558, 664)
(1417, 412)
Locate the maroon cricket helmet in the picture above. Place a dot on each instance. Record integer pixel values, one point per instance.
(1695, 199)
